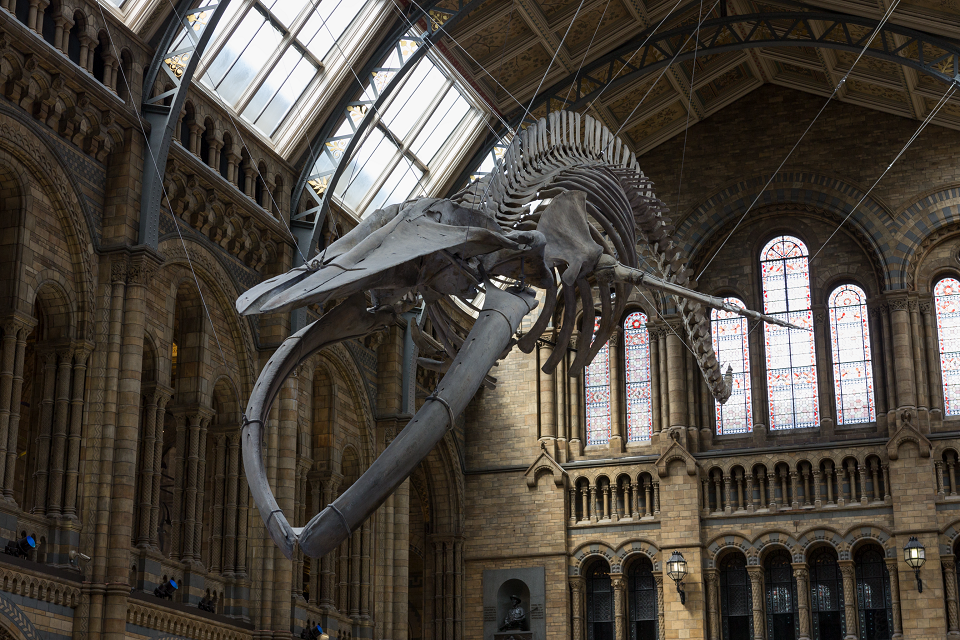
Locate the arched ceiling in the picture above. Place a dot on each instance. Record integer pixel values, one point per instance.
(505, 46)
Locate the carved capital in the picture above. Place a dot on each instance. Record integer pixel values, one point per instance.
(899, 304)
(118, 272)
(925, 307)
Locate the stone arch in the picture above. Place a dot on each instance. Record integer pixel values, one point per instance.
(814, 538)
(21, 145)
(17, 624)
(857, 536)
(922, 224)
(723, 544)
(340, 364)
(51, 295)
(588, 551)
(630, 550)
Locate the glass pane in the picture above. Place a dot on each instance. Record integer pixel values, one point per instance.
(286, 10)
(636, 347)
(278, 75)
(235, 44)
(327, 24)
(368, 164)
(947, 303)
(417, 93)
(401, 182)
(730, 341)
(596, 383)
(289, 92)
(850, 345)
(440, 125)
(261, 47)
(790, 353)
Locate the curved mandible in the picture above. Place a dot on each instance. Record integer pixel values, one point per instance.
(349, 319)
(485, 344)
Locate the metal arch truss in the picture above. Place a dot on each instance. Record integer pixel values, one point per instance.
(927, 54)
(190, 30)
(331, 150)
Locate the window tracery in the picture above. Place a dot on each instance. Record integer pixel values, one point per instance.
(790, 353)
(596, 392)
(636, 347)
(730, 332)
(850, 346)
(947, 304)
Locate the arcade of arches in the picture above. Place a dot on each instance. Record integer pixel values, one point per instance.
(124, 372)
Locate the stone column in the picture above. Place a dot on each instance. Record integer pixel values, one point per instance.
(895, 597)
(201, 485)
(661, 612)
(74, 444)
(548, 406)
(713, 592)
(890, 373)
(217, 521)
(849, 598)
(948, 563)
(15, 332)
(230, 511)
(619, 595)
(594, 510)
(802, 575)
(903, 353)
(180, 463)
(756, 591)
(934, 384)
(664, 380)
(191, 485)
(919, 368)
(821, 340)
(655, 379)
(42, 472)
(618, 435)
(727, 495)
(574, 387)
(576, 606)
(677, 410)
(148, 443)
(163, 397)
(365, 554)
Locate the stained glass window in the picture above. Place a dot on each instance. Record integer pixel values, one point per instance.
(791, 358)
(596, 391)
(947, 302)
(636, 348)
(730, 334)
(850, 344)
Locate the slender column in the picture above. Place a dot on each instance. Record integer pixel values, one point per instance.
(948, 563)
(230, 510)
(664, 380)
(849, 598)
(548, 405)
(838, 481)
(890, 371)
(79, 376)
(576, 601)
(801, 574)
(718, 491)
(656, 498)
(606, 501)
(828, 476)
(326, 562)
(817, 489)
(784, 496)
(15, 332)
(661, 613)
(852, 480)
(895, 597)
(148, 441)
(919, 367)
(585, 494)
(886, 482)
(648, 499)
(795, 502)
(771, 498)
(756, 591)
(952, 473)
(594, 510)
(933, 364)
(636, 500)
(191, 486)
(903, 353)
(219, 482)
(355, 542)
(614, 501)
(727, 495)
(655, 380)
(243, 501)
(863, 484)
(13, 427)
(807, 498)
(58, 448)
(42, 473)
(162, 399)
(366, 534)
(618, 435)
(821, 340)
(627, 501)
(752, 503)
(741, 505)
(201, 484)
(876, 480)
(573, 505)
(619, 591)
(713, 591)
(574, 386)
(176, 518)
(678, 411)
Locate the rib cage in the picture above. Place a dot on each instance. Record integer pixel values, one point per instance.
(573, 152)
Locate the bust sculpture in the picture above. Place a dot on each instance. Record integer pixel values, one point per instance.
(516, 616)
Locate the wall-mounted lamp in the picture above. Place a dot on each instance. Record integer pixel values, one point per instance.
(21, 548)
(166, 589)
(677, 570)
(915, 555)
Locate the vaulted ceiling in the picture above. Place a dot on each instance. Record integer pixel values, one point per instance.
(505, 47)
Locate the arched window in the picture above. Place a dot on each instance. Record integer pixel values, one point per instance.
(730, 332)
(826, 596)
(850, 345)
(791, 355)
(782, 620)
(947, 302)
(599, 602)
(596, 393)
(642, 594)
(736, 599)
(636, 357)
(873, 595)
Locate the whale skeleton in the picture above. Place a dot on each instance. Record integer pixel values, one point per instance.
(597, 221)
